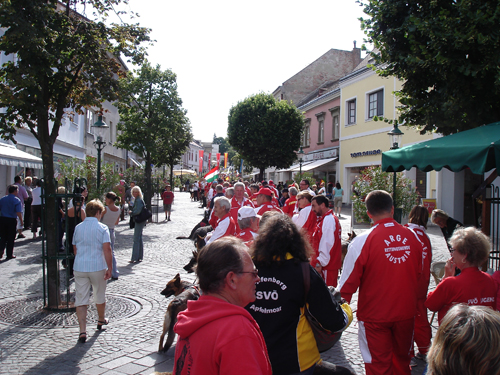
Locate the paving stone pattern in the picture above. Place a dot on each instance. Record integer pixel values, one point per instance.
(129, 343)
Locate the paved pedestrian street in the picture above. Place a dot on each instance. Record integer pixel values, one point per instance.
(33, 341)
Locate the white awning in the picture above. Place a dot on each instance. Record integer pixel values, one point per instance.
(11, 156)
(315, 164)
(295, 167)
(137, 164)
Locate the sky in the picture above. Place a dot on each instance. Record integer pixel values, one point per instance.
(224, 51)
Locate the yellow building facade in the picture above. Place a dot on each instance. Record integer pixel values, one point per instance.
(364, 95)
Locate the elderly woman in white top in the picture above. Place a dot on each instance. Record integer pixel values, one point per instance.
(93, 264)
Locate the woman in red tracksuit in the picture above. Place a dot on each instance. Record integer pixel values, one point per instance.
(422, 332)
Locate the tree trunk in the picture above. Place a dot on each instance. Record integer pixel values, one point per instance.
(50, 223)
(148, 191)
(261, 174)
(172, 176)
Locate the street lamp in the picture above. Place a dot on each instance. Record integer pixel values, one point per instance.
(301, 152)
(396, 137)
(100, 132)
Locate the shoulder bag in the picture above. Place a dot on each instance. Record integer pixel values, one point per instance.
(325, 339)
(144, 215)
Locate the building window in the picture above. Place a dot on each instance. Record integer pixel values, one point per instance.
(306, 133)
(376, 104)
(321, 127)
(335, 128)
(91, 119)
(321, 131)
(351, 112)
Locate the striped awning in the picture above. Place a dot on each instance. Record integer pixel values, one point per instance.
(12, 157)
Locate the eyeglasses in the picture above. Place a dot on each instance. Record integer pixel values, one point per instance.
(452, 251)
(255, 273)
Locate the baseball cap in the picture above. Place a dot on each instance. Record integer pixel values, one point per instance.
(265, 191)
(245, 212)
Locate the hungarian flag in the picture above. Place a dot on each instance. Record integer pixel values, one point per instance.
(212, 175)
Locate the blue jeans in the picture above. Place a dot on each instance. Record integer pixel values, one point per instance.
(138, 248)
(114, 271)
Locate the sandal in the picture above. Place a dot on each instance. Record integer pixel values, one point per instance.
(101, 323)
(83, 337)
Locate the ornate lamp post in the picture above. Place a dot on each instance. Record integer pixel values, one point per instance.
(396, 137)
(301, 153)
(100, 133)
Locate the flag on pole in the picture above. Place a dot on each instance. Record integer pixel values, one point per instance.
(225, 159)
(212, 175)
(241, 166)
(218, 160)
(200, 161)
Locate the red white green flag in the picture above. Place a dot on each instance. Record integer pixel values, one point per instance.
(213, 175)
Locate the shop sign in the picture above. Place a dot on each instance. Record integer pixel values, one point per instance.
(321, 155)
(365, 153)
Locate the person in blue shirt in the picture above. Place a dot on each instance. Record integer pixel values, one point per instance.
(11, 208)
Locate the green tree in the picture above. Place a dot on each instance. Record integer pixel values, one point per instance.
(173, 147)
(63, 63)
(265, 132)
(151, 115)
(373, 178)
(75, 168)
(446, 52)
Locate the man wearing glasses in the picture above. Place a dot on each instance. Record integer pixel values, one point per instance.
(215, 330)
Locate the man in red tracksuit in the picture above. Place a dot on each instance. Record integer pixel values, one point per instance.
(326, 241)
(225, 224)
(238, 201)
(386, 264)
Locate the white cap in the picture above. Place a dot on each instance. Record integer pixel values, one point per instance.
(245, 212)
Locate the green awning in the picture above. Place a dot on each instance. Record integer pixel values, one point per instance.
(477, 149)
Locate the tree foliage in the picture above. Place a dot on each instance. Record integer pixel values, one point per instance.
(75, 168)
(224, 147)
(153, 123)
(448, 55)
(373, 178)
(265, 132)
(61, 63)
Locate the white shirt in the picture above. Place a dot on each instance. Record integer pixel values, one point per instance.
(89, 237)
(37, 200)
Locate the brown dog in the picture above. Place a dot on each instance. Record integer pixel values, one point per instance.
(345, 245)
(183, 292)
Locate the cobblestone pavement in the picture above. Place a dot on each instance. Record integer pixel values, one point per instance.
(34, 342)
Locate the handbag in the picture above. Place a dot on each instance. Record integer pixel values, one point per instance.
(144, 215)
(325, 338)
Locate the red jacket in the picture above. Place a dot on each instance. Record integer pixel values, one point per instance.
(225, 227)
(307, 220)
(267, 207)
(289, 205)
(235, 206)
(216, 337)
(247, 236)
(423, 283)
(472, 287)
(327, 242)
(385, 263)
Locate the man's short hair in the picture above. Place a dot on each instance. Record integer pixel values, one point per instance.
(292, 191)
(93, 207)
(230, 192)
(254, 186)
(321, 199)
(378, 202)
(12, 189)
(239, 184)
(216, 260)
(17, 179)
(219, 188)
(246, 222)
(223, 202)
(305, 182)
(27, 179)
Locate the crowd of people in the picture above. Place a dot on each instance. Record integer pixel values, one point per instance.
(273, 258)
(388, 266)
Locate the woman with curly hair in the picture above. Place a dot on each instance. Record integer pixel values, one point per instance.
(281, 254)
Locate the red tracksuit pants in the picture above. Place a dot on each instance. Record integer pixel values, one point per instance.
(386, 347)
(423, 331)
